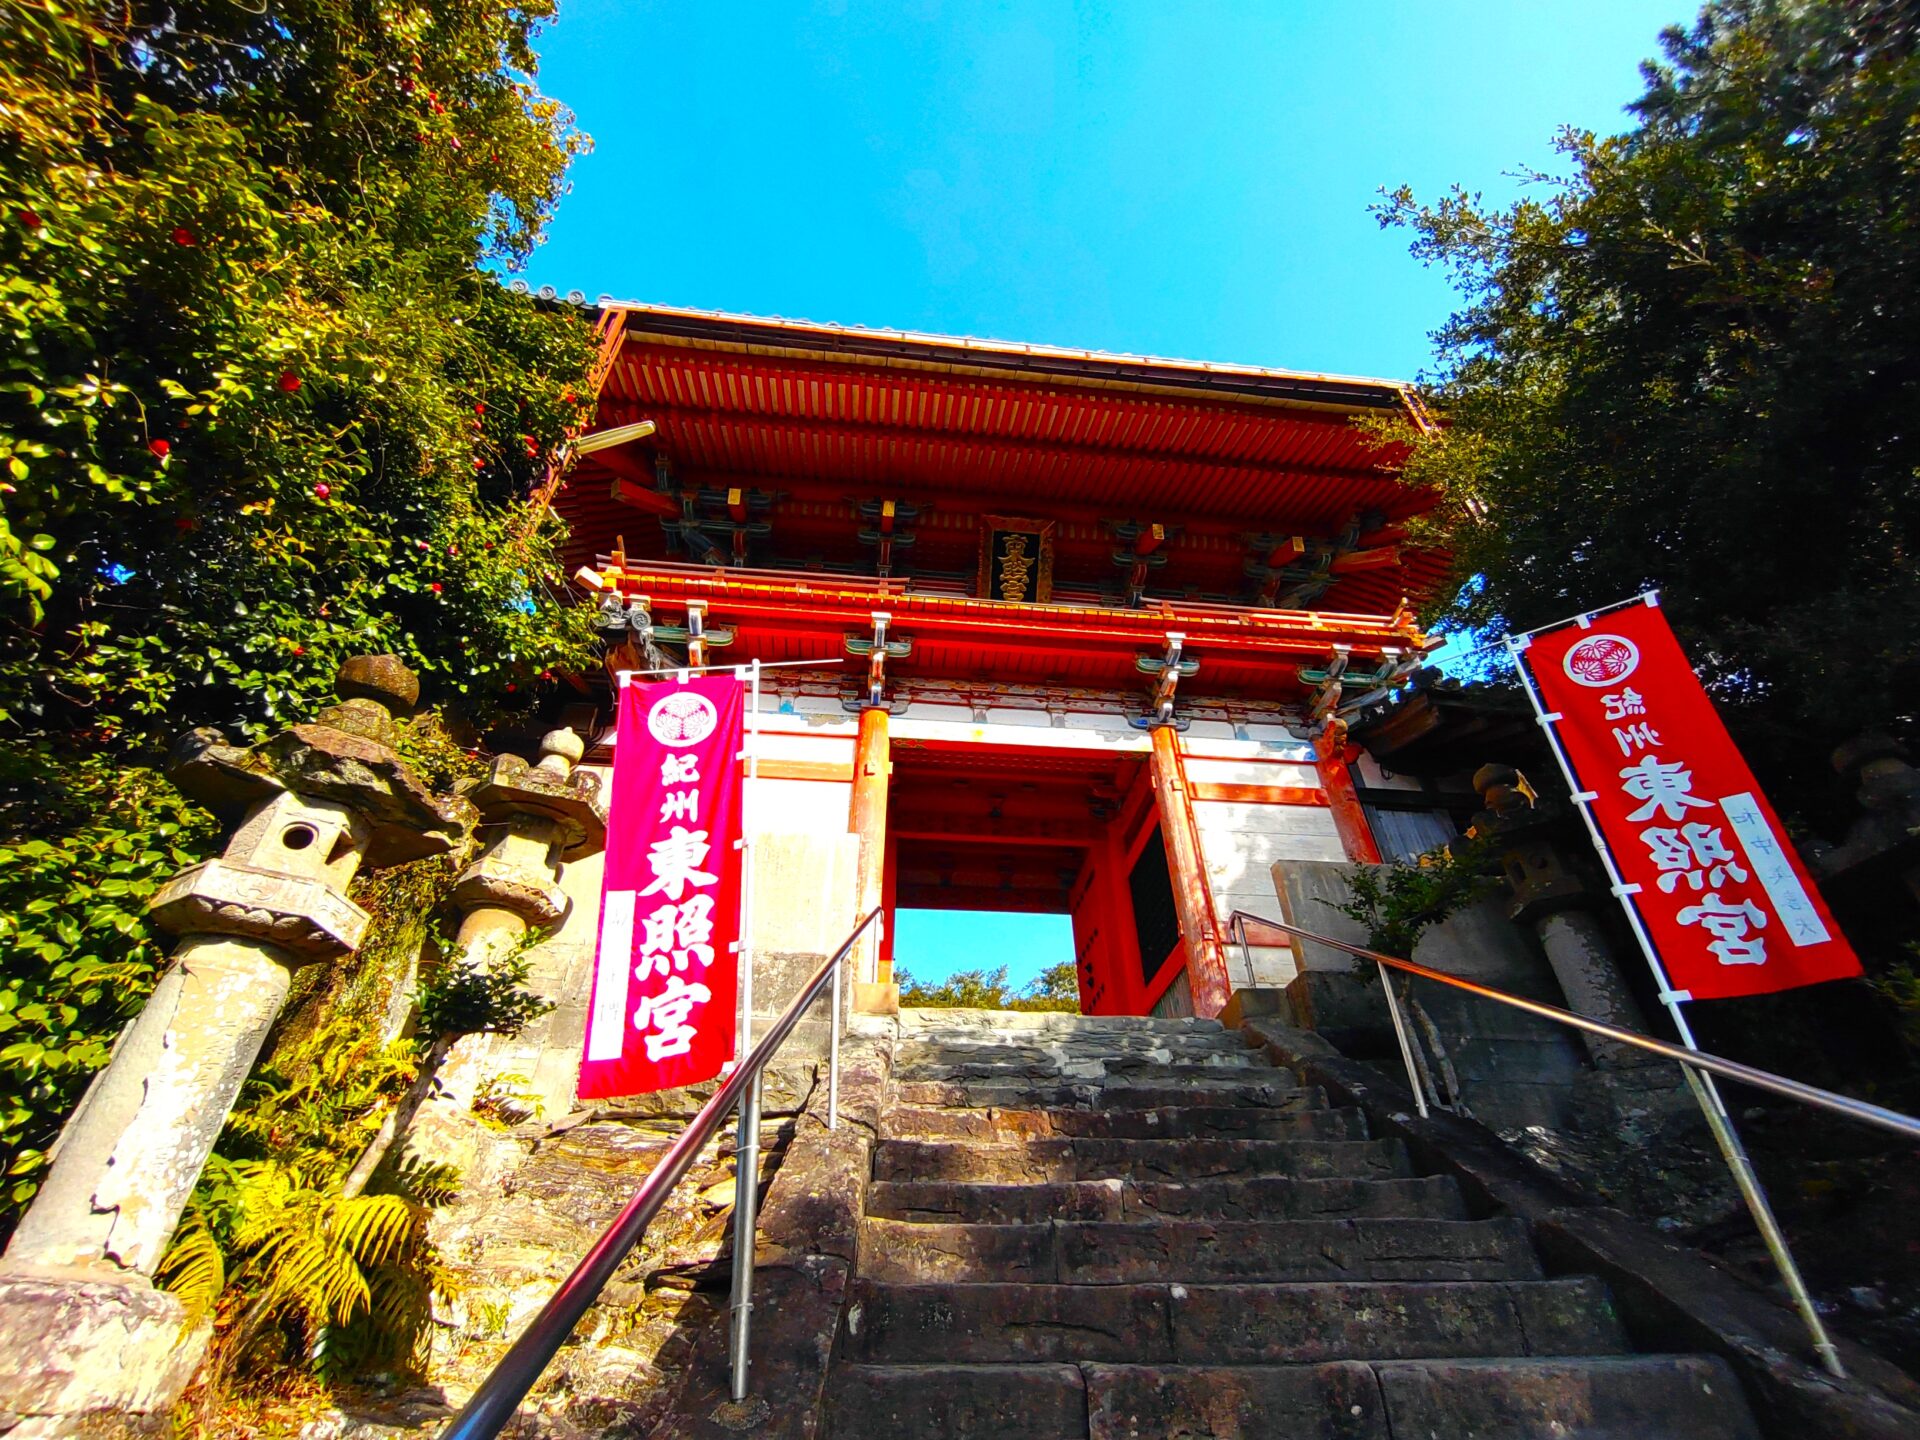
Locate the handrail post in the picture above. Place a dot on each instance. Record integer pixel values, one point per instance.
(746, 1135)
(833, 1054)
(1239, 923)
(746, 1219)
(1406, 1041)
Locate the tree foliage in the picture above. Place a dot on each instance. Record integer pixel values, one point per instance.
(260, 407)
(263, 404)
(1692, 361)
(1055, 988)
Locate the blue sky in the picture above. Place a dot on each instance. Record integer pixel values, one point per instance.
(1174, 177)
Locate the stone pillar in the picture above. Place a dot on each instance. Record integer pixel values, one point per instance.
(1207, 977)
(1552, 897)
(1882, 845)
(867, 818)
(83, 1335)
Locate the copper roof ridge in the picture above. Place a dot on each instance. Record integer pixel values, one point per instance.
(793, 327)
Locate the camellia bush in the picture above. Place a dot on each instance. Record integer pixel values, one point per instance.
(264, 403)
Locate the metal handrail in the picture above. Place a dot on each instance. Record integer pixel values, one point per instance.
(507, 1384)
(1697, 1067)
(1860, 1110)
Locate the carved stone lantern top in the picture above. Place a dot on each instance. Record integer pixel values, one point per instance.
(345, 756)
(551, 790)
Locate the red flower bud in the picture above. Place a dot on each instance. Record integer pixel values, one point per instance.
(159, 447)
(289, 381)
(182, 235)
(434, 587)
(511, 687)
(299, 649)
(567, 396)
(479, 407)
(322, 490)
(30, 219)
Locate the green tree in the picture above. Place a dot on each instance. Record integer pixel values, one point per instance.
(263, 404)
(1056, 988)
(1692, 361)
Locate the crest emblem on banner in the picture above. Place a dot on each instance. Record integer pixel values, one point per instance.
(681, 718)
(1601, 660)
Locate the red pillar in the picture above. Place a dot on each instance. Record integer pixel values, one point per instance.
(1333, 759)
(867, 818)
(1192, 897)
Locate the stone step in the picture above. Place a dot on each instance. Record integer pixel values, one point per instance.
(1625, 1397)
(1273, 1087)
(1125, 1070)
(1226, 1324)
(1262, 1197)
(1182, 1161)
(956, 1402)
(1097, 1043)
(1307, 1121)
(1073, 1056)
(1196, 1252)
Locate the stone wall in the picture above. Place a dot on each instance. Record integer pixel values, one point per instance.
(1514, 1070)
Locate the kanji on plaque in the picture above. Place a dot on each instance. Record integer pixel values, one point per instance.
(1723, 897)
(666, 971)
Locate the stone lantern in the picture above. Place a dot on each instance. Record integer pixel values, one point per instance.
(1551, 896)
(86, 1342)
(536, 818)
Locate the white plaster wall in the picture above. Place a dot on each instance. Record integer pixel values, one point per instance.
(1204, 771)
(1240, 842)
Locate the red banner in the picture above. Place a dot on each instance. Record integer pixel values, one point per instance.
(666, 971)
(1728, 905)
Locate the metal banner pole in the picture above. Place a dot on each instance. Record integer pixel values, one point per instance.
(746, 1151)
(1703, 1087)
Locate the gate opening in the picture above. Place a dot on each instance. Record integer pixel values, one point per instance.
(1012, 834)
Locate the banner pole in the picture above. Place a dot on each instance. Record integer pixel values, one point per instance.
(746, 1150)
(1719, 1121)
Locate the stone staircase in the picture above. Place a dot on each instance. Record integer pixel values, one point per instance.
(1138, 1227)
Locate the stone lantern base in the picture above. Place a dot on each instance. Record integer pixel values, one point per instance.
(94, 1358)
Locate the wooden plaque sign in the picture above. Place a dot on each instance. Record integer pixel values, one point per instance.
(1016, 559)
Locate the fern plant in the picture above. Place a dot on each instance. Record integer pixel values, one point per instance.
(275, 1252)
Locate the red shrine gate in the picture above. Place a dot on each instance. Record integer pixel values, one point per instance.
(1050, 631)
